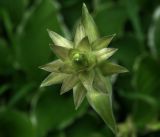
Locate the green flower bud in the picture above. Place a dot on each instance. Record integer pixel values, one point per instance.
(83, 67)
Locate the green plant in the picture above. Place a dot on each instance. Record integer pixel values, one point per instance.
(83, 67)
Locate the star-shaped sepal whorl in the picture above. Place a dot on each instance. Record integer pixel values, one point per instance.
(84, 67)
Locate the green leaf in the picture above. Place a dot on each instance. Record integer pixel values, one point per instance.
(79, 93)
(147, 83)
(21, 94)
(69, 83)
(32, 53)
(59, 40)
(89, 24)
(114, 22)
(4, 88)
(104, 54)
(15, 9)
(108, 68)
(84, 45)
(5, 57)
(61, 52)
(79, 34)
(132, 9)
(53, 78)
(52, 66)
(101, 103)
(156, 33)
(15, 124)
(55, 112)
(102, 42)
(128, 45)
(87, 127)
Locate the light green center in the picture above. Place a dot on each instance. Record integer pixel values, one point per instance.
(80, 60)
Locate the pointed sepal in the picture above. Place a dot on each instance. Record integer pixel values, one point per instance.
(101, 103)
(60, 52)
(87, 79)
(59, 40)
(100, 82)
(53, 66)
(84, 45)
(102, 42)
(108, 68)
(89, 24)
(104, 54)
(79, 93)
(69, 83)
(79, 34)
(53, 78)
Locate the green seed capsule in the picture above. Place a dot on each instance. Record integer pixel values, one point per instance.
(80, 60)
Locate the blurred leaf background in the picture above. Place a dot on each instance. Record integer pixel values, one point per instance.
(29, 111)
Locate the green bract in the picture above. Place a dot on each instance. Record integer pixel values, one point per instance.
(82, 66)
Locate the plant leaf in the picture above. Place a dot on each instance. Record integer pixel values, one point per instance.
(79, 93)
(101, 103)
(53, 78)
(108, 68)
(30, 49)
(79, 34)
(89, 24)
(104, 54)
(102, 42)
(84, 45)
(15, 123)
(69, 83)
(59, 40)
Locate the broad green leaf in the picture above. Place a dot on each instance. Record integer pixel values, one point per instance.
(89, 126)
(59, 40)
(108, 68)
(102, 104)
(84, 45)
(53, 78)
(32, 53)
(147, 83)
(114, 22)
(4, 88)
(21, 94)
(69, 83)
(61, 52)
(53, 66)
(156, 33)
(55, 112)
(102, 42)
(79, 93)
(8, 25)
(5, 57)
(128, 46)
(15, 124)
(79, 34)
(87, 79)
(15, 9)
(89, 24)
(104, 54)
(132, 9)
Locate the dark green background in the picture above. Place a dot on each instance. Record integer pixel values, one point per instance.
(28, 111)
